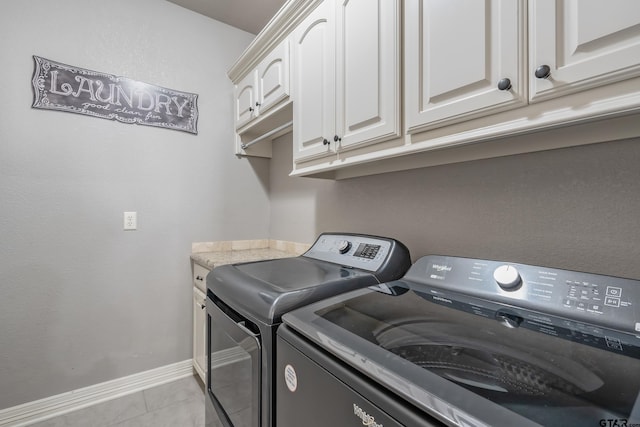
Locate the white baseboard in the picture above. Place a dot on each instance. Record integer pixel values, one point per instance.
(40, 410)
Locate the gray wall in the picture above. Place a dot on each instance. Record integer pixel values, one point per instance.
(574, 208)
(82, 301)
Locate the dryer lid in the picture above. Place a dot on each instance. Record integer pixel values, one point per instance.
(262, 291)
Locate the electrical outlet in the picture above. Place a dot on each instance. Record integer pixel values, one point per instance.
(130, 221)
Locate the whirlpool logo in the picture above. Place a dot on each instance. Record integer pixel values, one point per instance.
(367, 420)
(440, 267)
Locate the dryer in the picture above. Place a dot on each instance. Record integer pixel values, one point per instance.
(245, 304)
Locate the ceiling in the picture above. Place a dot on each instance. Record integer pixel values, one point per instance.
(248, 15)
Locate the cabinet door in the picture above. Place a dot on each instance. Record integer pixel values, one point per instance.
(367, 71)
(199, 333)
(584, 43)
(457, 52)
(245, 99)
(273, 77)
(313, 43)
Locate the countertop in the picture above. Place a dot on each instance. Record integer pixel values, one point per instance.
(214, 254)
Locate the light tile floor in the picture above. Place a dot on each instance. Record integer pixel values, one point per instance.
(176, 404)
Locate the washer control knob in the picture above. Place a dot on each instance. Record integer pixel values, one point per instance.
(507, 277)
(344, 246)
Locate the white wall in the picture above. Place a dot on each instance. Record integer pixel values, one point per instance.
(574, 208)
(82, 301)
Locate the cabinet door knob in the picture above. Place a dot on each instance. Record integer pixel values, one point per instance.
(199, 278)
(257, 104)
(250, 108)
(504, 84)
(336, 138)
(543, 72)
(325, 141)
(202, 306)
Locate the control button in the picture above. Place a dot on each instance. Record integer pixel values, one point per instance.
(568, 301)
(507, 277)
(595, 307)
(612, 302)
(581, 305)
(614, 292)
(344, 246)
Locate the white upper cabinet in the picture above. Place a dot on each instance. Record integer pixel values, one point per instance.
(473, 76)
(264, 87)
(367, 71)
(245, 100)
(346, 74)
(463, 59)
(273, 78)
(581, 44)
(313, 43)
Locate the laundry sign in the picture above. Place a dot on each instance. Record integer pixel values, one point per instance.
(72, 89)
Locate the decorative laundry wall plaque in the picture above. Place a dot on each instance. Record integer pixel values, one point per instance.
(77, 90)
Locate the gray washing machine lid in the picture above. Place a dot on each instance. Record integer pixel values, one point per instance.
(449, 355)
(263, 291)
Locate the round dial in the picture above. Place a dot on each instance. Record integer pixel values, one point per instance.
(507, 277)
(344, 246)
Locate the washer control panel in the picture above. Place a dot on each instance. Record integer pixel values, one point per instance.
(352, 250)
(604, 300)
